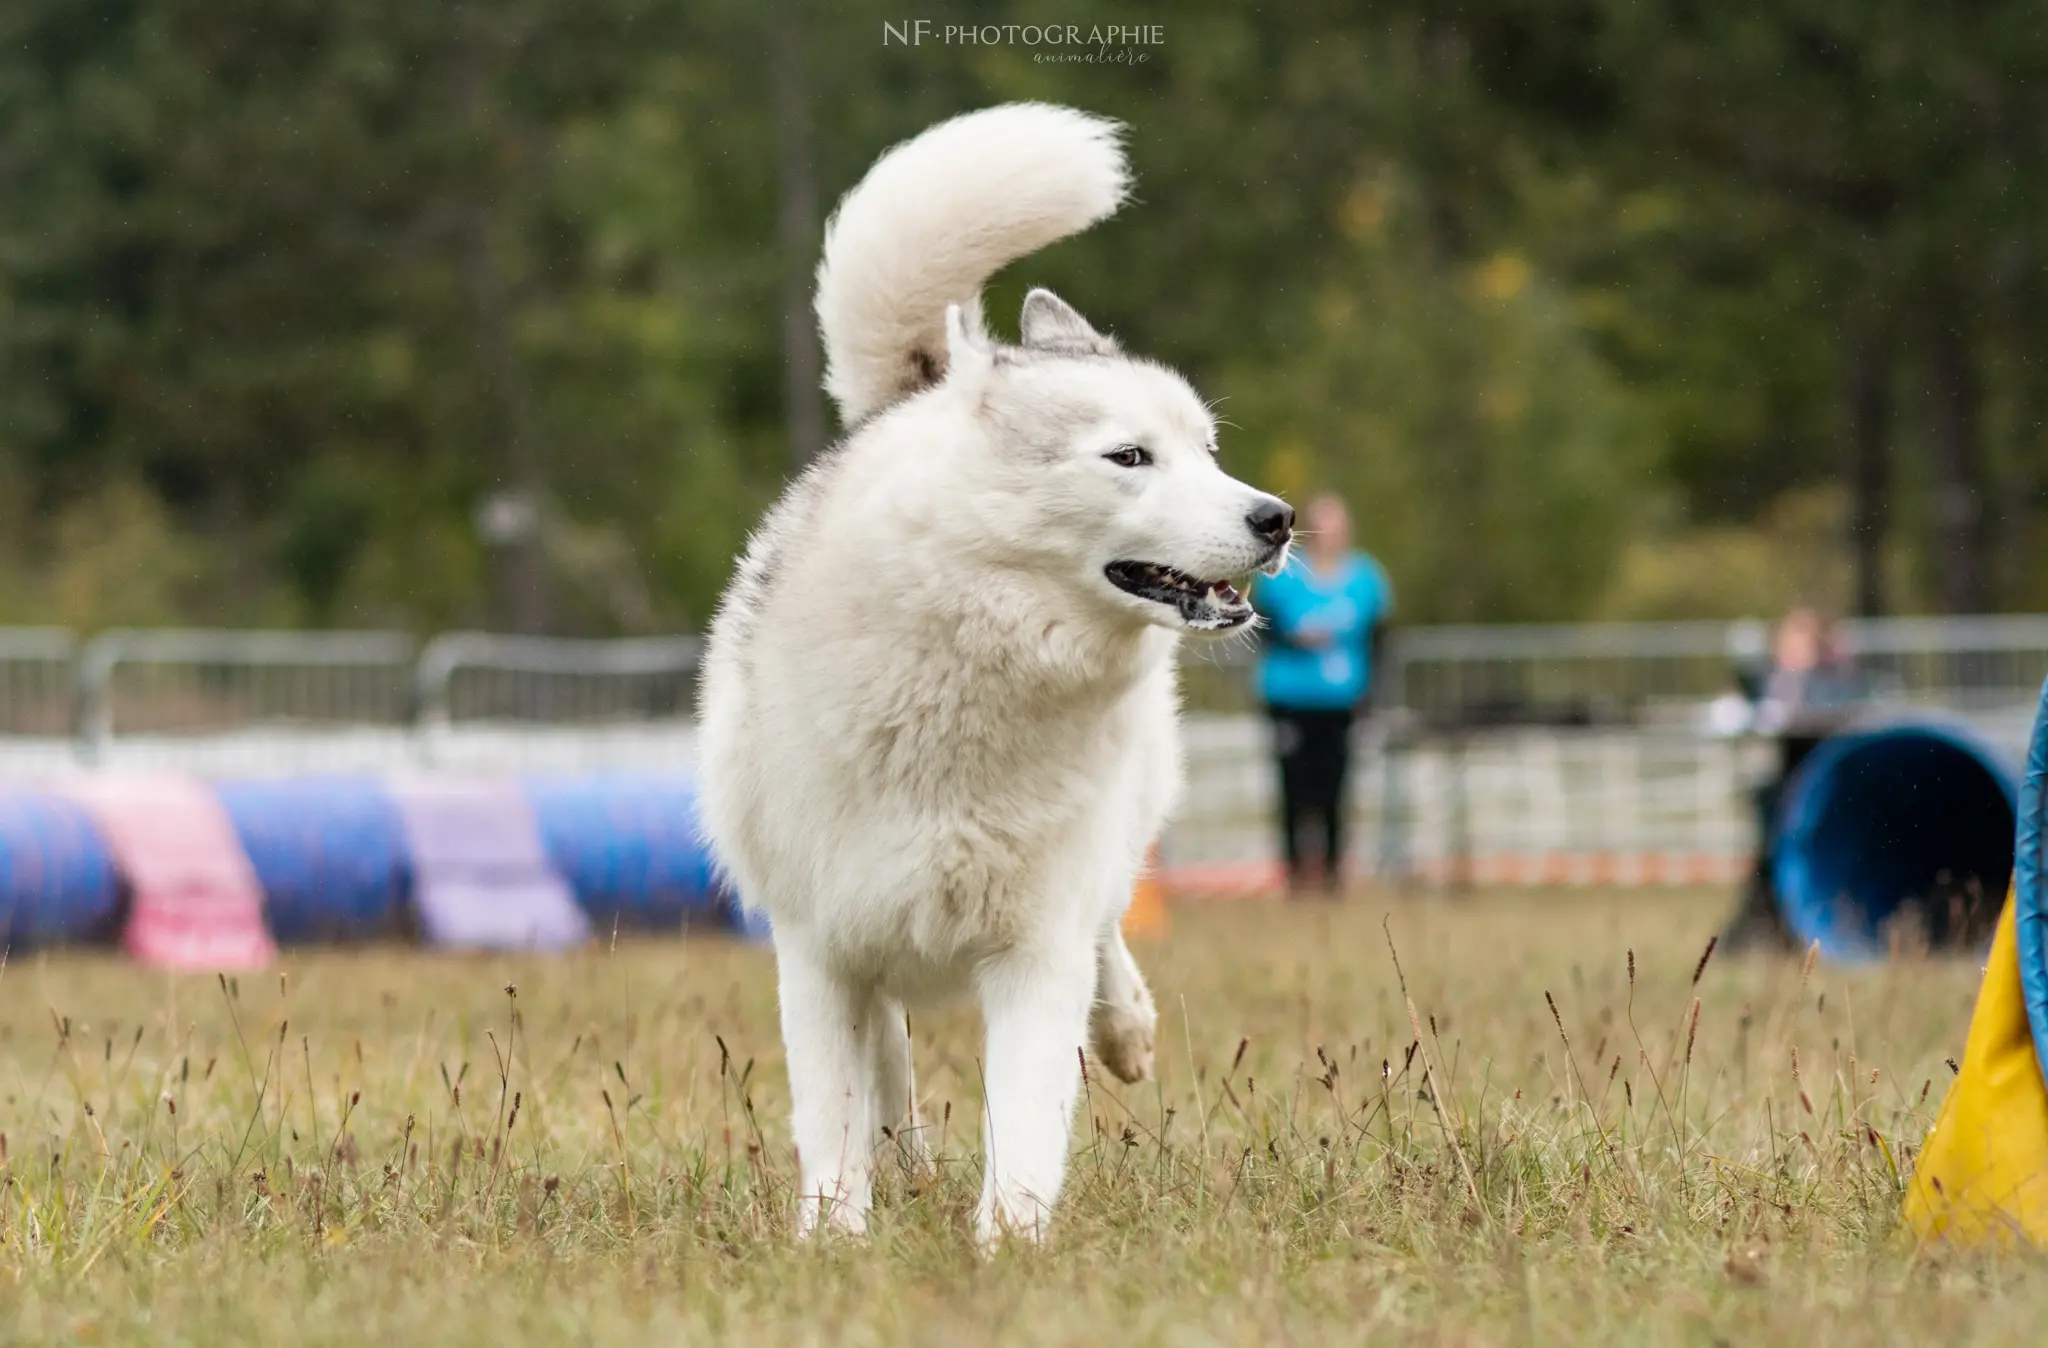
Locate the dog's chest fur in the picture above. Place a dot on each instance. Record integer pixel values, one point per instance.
(992, 788)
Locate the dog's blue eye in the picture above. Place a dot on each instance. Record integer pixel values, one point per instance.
(1129, 456)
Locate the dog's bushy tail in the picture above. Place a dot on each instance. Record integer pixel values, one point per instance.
(934, 219)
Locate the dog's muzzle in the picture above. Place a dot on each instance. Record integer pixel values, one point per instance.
(1205, 605)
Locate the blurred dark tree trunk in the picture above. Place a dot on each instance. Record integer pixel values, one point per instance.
(1869, 434)
(480, 61)
(797, 227)
(522, 576)
(1958, 464)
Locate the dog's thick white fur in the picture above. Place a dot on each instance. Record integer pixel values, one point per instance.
(939, 701)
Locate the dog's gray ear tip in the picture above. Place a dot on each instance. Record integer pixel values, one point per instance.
(1039, 300)
(1050, 323)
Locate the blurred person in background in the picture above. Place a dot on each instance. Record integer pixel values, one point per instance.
(1808, 692)
(1326, 617)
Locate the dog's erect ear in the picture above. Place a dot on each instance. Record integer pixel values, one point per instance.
(1051, 324)
(968, 356)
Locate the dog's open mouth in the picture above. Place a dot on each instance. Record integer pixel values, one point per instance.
(1207, 605)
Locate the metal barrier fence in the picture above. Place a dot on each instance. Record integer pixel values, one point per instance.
(1965, 664)
(1544, 753)
(1507, 752)
(234, 697)
(192, 681)
(474, 676)
(1564, 675)
(1608, 673)
(264, 702)
(35, 681)
(493, 702)
(1513, 805)
(35, 699)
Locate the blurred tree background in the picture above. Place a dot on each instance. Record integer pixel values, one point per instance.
(389, 313)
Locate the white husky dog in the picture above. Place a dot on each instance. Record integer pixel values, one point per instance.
(939, 701)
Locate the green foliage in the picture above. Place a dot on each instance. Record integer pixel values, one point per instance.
(1473, 393)
(287, 290)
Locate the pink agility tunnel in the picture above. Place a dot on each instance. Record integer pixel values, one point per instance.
(193, 900)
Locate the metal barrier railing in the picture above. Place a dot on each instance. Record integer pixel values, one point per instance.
(1564, 674)
(197, 681)
(1528, 804)
(1602, 673)
(1623, 706)
(1500, 743)
(185, 681)
(474, 676)
(35, 681)
(1965, 664)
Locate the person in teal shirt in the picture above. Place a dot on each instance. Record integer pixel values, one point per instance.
(1325, 623)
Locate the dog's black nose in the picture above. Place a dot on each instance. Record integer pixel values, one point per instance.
(1272, 520)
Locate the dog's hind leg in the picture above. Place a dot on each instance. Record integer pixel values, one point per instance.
(831, 1093)
(1123, 1022)
(1036, 1005)
(885, 1037)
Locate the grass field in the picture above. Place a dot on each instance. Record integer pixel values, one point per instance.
(397, 1148)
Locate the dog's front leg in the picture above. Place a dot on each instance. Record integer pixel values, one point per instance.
(1036, 1006)
(1124, 1021)
(830, 1091)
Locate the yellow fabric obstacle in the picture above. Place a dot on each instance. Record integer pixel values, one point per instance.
(1982, 1176)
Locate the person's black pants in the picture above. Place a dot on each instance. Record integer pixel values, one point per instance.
(1315, 757)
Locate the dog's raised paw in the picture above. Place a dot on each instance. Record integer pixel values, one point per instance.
(1122, 1040)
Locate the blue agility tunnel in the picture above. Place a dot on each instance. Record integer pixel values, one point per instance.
(328, 852)
(628, 845)
(1911, 817)
(57, 876)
